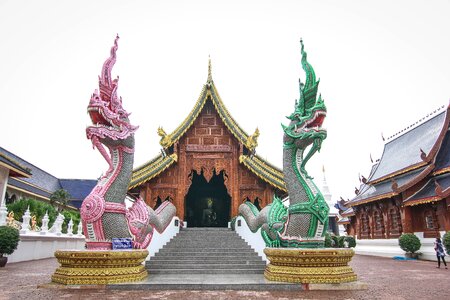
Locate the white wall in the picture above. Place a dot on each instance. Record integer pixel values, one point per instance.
(160, 239)
(255, 240)
(390, 247)
(33, 246)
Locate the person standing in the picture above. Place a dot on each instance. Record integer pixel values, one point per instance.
(440, 254)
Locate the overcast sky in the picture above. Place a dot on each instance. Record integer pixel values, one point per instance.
(382, 65)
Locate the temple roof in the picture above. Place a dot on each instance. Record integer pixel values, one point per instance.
(78, 189)
(42, 184)
(15, 168)
(264, 170)
(387, 188)
(257, 165)
(404, 152)
(443, 157)
(408, 160)
(151, 169)
(428, 192)
(209, 91)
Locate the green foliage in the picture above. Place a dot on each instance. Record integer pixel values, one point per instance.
(351, 241)
(58, 198)
(9, 239)
(333, 241)
(409, 242)
(39, 208)
(446, 242)
(328, 242)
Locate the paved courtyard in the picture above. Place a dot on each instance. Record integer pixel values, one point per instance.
(386, 278)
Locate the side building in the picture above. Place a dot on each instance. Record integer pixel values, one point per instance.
(408, 189)
(25, 180)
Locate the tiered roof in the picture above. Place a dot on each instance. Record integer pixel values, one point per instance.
(409, 159)
(257, 165)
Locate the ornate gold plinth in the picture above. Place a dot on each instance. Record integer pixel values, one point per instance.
(325, 265)
(100, 266)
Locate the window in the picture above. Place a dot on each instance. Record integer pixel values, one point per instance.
(429, 221)
(378, 221)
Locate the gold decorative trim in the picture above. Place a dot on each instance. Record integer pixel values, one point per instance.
(400, 172)
(441, 171)
(259, 171)
(99, 267)
(146, 173)
(364, 201)
(325, 265)
(422, 201)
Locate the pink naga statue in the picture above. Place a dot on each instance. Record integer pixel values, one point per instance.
(103, 212)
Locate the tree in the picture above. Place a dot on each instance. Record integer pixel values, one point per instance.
(59, 199)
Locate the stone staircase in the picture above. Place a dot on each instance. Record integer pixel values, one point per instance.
(206, 251)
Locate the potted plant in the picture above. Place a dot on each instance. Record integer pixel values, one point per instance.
(410, 243)
(351, 242)
(446, 241)
(9, 239)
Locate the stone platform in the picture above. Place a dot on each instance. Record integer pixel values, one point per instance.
(309, 266)
(99, 266)
(208, 282)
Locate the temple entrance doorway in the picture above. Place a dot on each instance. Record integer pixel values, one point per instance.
(207, 203)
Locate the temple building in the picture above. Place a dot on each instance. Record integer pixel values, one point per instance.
(208, 166)
(408, 189)
(25, 180)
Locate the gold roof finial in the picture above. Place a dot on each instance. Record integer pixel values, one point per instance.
(209, 70)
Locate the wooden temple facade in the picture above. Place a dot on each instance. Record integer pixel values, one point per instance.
(207, 163)
(408, 189)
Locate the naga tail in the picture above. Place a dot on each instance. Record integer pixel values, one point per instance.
(142, 220)
(270, 219)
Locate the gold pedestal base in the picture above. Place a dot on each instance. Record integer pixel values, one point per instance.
(325, 265)
(100, 266)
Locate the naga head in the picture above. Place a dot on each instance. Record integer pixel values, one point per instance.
(109, 118)
(305, 125)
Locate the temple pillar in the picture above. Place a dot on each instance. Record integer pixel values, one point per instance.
(406, 215)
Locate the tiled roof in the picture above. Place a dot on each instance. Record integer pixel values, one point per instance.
(15, 168)
(78, 189)
(404, 152)
(209, 91)
(39, 178)
(42, 184)
(151, 169)
(428, 192)
(443, 156)
(26, 187)
(263, 170)
(384, 189)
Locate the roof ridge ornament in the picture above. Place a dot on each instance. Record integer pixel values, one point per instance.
(209, 81)
(416, 124)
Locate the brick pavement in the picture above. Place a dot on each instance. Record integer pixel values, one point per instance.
(386, 278)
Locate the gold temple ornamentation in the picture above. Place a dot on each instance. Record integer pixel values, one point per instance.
(99, 267)
(326, 265)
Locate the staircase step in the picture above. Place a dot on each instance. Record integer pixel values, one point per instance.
(219, 265)
(206, 251)
(206, 271)
(206, 260)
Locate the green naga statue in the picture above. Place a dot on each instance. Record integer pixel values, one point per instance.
(303, 224)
